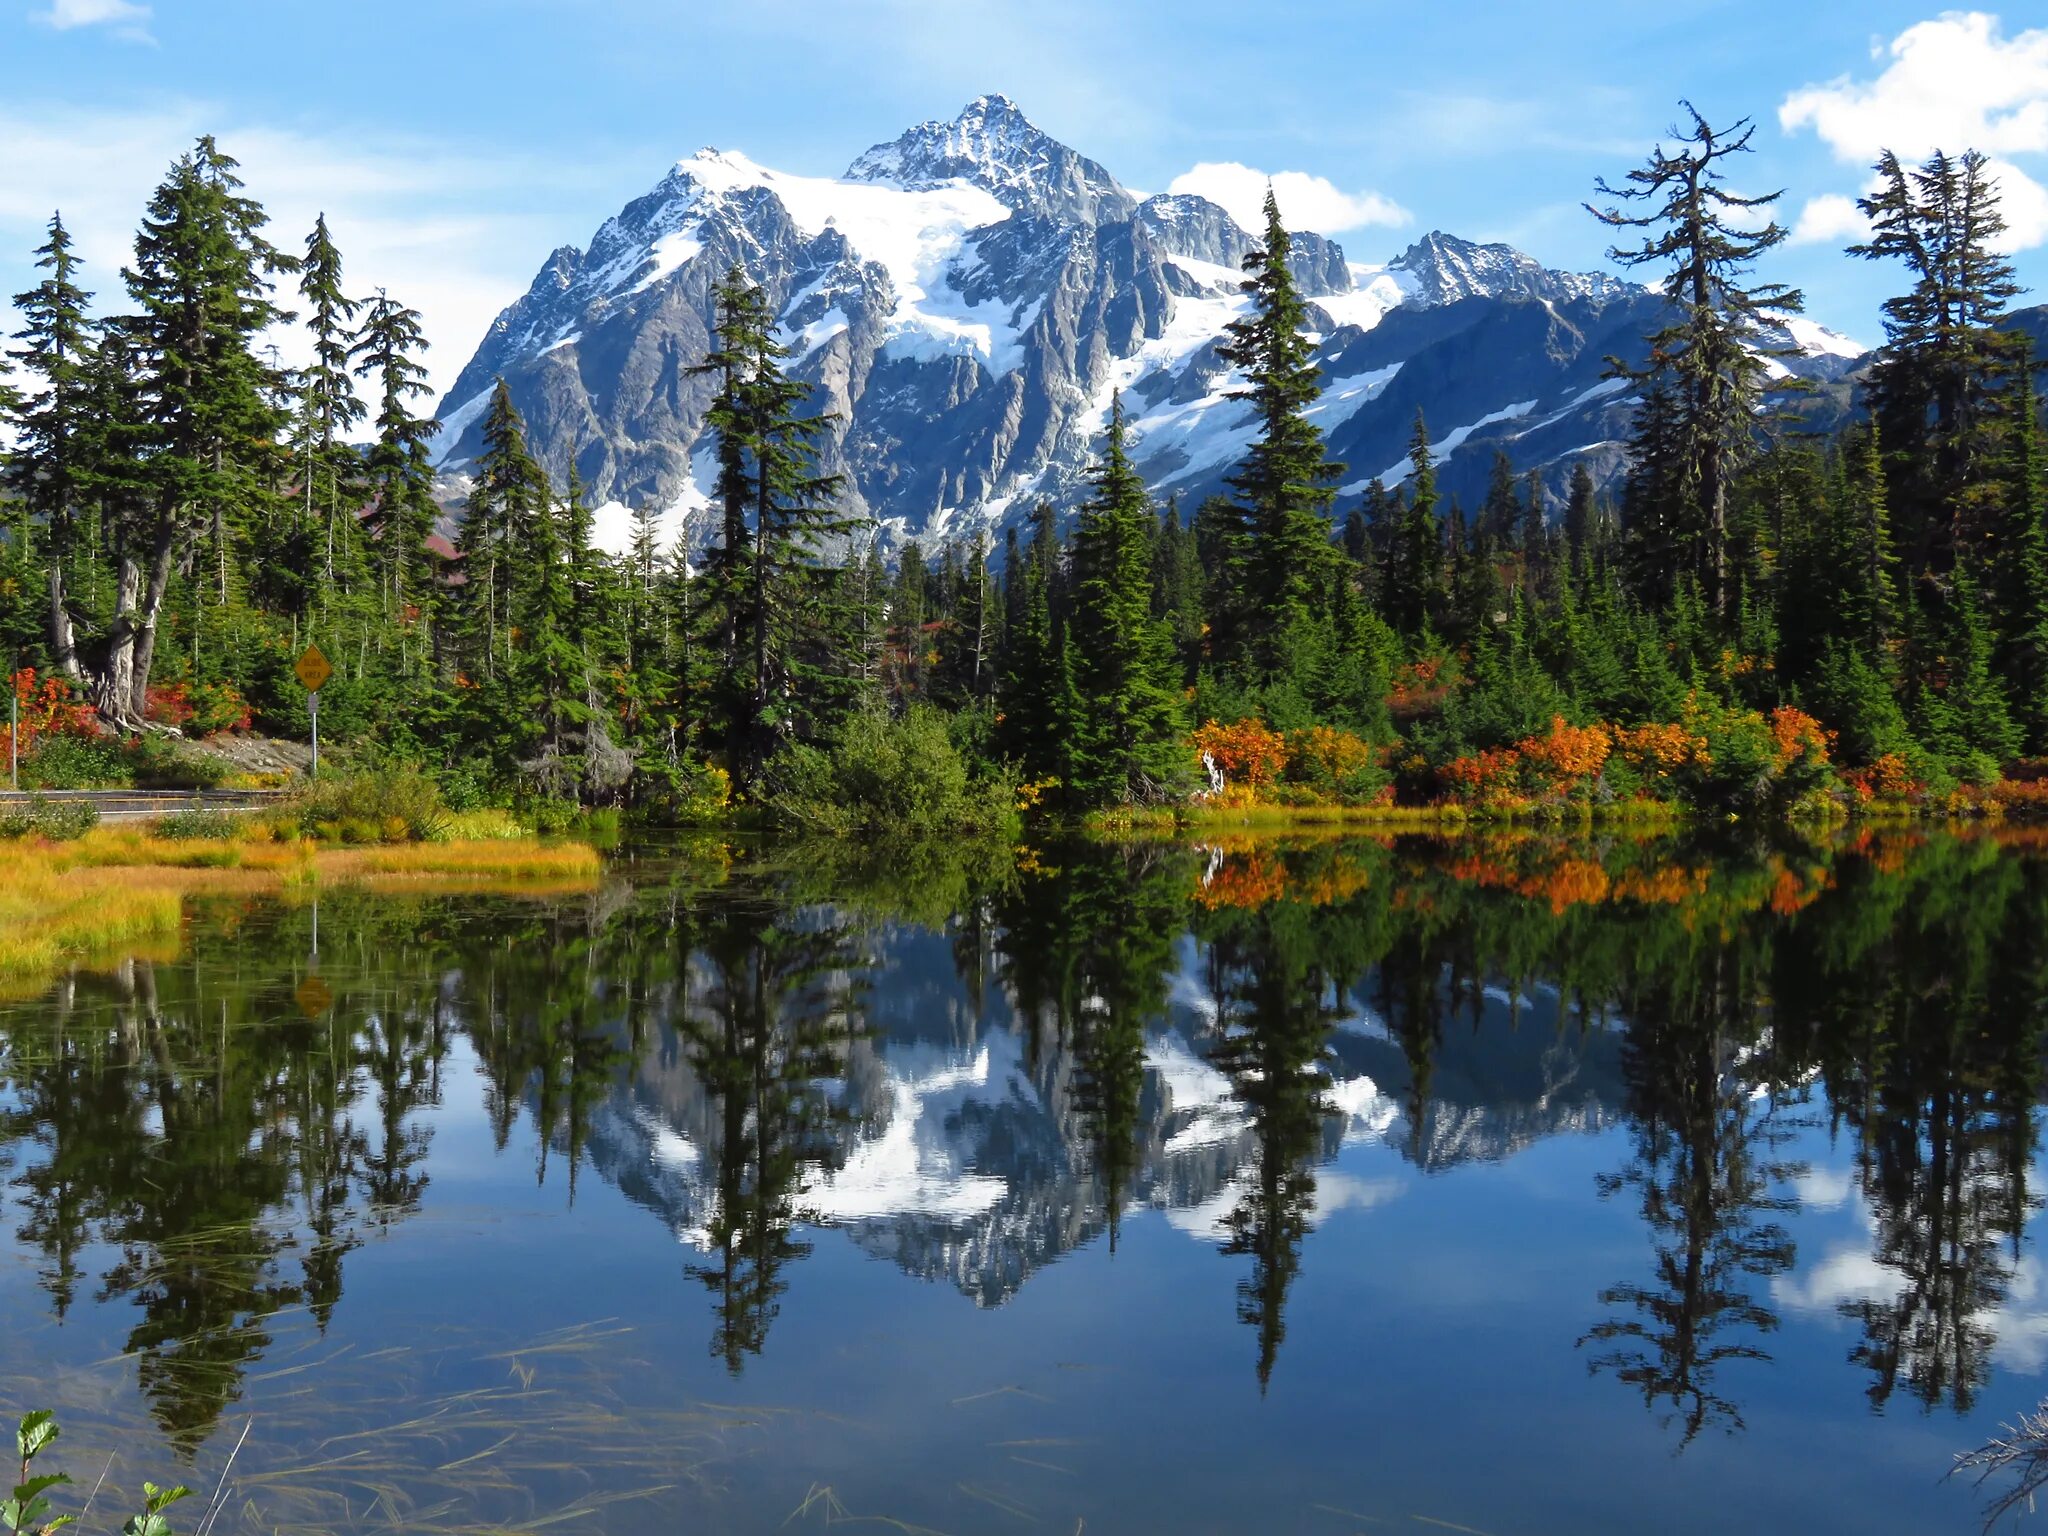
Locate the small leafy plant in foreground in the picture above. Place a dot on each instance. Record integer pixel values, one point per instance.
(27, 1510)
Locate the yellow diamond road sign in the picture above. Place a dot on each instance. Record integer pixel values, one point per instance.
(313, 669)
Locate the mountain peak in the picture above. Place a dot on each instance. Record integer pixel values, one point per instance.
(1442, 268)
(993, 145)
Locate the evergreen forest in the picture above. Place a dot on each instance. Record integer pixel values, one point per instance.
(1764, 617)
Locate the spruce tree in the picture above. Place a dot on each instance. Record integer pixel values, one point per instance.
(1712, 355)
(1129, 742)
(328, 468)
(1935, 387)
(506, 500)
(50, 469)
(398, 469)
(201, 284)
(1415, 579)
(2020, 567)
(1581, 515)
(1284, 484)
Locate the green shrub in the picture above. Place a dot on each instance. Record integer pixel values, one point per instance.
(389, 804)
(61, 821)
(198, 824)
(466, 788)
(890, 777)
(107, 761)
(71, 761)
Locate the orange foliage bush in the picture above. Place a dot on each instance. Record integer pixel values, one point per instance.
(1658, 751)
(1889, 778)
(1569, 753)
(46, 708)
(1247, 752)
(1797, 737)
(1489, 778)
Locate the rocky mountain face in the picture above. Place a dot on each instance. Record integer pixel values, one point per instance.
(967, 300)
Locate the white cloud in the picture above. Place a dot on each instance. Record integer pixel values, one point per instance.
(1306, 202)
(129, 20)
(1831, 217)
(454, 236)
(1954, 83)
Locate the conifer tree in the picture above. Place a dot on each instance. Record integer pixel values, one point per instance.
(398, 469)
(327, 466)
(506, 501)
(2020, 561)
(1580, 512)
(766, 577)
(1712, 354)
(1284, 484)
(1500, 515)
(1934, 387)
(1177, 588)
(1128, 746)
(1416, 576)
(50, 469)
(201, 283)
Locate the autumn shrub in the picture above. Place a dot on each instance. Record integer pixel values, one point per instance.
(45, 707)
(1246, 752)
(1565, 761)
(1487, 780)
(199, 709)
(1336, 765)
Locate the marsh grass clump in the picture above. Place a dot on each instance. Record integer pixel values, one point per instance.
(59, 821)
(198, 825)
(385, 805)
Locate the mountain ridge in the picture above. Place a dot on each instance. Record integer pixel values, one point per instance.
(967, 299)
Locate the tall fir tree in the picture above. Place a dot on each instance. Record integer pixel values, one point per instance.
(51, 468)
(328, 468)
(398, 469)
(1285, 485)
(1129, 741)
(1934, 390)
(201, 283)
(1713, 354)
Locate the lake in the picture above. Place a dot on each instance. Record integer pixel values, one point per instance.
(1508, 1185)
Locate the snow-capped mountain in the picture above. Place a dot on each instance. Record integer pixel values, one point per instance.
(967, 299)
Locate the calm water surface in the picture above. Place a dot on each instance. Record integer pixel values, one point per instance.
(1507, 1187)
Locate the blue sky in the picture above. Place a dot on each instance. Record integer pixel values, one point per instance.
(453, 143)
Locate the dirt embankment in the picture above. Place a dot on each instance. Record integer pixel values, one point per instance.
(254, 754)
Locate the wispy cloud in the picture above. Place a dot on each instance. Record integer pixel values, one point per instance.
(1306, 201)
(1954, 83)
(124, 18)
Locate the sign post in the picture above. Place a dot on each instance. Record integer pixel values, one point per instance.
(314, 670)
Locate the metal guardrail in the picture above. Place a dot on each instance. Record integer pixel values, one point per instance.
(137, 804)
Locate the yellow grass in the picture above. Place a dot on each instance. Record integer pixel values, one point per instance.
(121, 891)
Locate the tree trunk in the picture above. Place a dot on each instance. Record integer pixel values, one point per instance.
(147, 618)
(63, 640)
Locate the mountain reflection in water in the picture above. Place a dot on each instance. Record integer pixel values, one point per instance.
(1804, 1081)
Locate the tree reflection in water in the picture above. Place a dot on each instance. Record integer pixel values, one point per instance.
(185, 1140)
